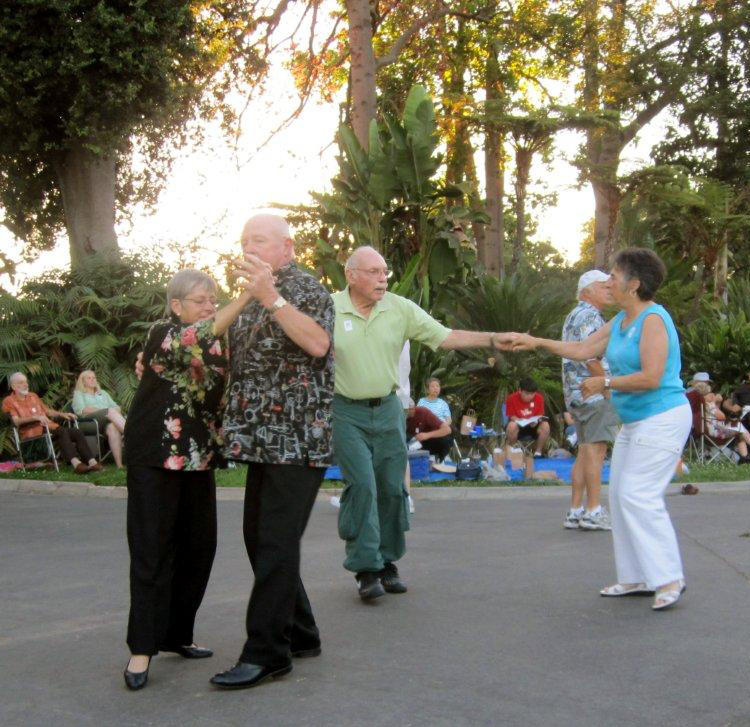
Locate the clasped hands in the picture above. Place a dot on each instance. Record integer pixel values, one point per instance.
(513, 341)
(256, 278)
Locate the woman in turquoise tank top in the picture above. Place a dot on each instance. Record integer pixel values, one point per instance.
(643, 351)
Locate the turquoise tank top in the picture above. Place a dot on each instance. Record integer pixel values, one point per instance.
(624, 357)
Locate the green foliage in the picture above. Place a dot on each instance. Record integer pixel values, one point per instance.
(389, 197)
(64, 322)
(119, 78)
(719, 341)
(521, 302)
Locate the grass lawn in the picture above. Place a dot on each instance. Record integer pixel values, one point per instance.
(235, 477)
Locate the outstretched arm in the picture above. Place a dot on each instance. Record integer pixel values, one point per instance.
(592, 347)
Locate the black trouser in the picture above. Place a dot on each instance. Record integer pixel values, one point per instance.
(439, 446)
(278, 501)
(172, 539)
(72, 444)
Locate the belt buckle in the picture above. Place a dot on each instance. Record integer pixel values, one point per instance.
(374, 402)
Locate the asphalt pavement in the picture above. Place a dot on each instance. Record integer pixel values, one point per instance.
(502, 624)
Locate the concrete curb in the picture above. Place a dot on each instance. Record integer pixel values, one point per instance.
(84, 489)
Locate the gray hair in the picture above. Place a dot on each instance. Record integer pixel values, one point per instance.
(354, 257)
(12, 378)
(184, 282)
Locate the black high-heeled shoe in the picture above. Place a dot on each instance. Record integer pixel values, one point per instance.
(135, 680)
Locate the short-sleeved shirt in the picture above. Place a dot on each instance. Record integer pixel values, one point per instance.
(439, 407)
(581, 322)
(279, 396)
(515, 406)
(174, 421)
(85, 399)
(368, 349)
(423, 420)
(28, 406)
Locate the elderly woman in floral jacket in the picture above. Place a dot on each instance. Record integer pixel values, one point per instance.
(173, 441)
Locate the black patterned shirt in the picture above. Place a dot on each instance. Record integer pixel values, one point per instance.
(278, 395)
(174, 421)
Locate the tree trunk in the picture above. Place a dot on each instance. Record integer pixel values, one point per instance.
(87, 183)
(494, 170)
(493, 257)
(362, 69)
(523, 165)
(603, 149)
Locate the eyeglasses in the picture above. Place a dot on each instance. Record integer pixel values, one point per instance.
(202, 301)
(375, 271)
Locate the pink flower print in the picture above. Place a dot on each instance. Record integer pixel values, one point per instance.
(189, 337)
(167, 342)
(157, 368)
(215, 349)
(196, 369)
(174, 427)
(175, 462)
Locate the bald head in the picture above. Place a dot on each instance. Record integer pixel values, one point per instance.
(365, 257)
(367, 275)
(268, 237)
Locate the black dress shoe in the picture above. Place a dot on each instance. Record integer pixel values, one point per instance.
(304, 653)
(135, 680)
(369, 585)
(243, 675)
(189, 652)
(390, 579)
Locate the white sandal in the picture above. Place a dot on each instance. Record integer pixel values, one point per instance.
(627, 589)
(666, 599)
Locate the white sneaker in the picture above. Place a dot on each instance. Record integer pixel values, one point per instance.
(411, 505)
(572, 519)
(595, 521)
(335, 501)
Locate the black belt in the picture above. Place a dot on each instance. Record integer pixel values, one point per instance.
(377, 401)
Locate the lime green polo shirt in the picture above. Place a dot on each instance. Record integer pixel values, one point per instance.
(367, 349)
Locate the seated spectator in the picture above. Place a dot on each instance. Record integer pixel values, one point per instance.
(432, 433)
(30, 414)
(718, 425)
(439, 407)
(735, 406)
(525, 411)
(90, 400)
(700, 379)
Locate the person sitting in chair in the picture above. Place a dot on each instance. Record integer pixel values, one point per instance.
(439, 407)
(525, 411)
(30, 415)
(432, 433)
(90, 400)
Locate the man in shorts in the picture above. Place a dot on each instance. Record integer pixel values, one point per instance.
(525, 411)
(595, 419)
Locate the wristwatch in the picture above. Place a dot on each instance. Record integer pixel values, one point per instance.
(607, 382)
(278, 304)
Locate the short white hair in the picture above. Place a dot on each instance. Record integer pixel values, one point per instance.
(14, 377)
(351, 263)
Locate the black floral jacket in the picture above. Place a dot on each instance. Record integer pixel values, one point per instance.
(278, 396)
(174, 421)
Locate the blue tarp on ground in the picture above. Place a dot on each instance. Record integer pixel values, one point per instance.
(562, 467)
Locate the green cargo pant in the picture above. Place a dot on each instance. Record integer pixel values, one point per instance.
(370, 448)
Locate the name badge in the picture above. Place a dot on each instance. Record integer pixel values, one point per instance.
(348, 326)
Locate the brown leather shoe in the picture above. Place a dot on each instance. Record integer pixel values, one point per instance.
(81, 468)
(96, 467)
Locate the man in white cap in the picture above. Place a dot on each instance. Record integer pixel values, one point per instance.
(699, 377)
(595, 420)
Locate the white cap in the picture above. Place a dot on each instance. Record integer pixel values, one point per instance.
(700, 376)
(590, 276)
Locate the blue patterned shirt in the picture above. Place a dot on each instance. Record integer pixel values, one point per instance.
(581, 322)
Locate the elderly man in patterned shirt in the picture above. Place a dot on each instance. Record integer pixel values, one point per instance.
(277, 421)
(595, 419)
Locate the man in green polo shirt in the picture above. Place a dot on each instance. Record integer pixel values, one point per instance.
(369, 440)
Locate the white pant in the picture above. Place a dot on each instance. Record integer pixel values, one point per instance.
(643, 463)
